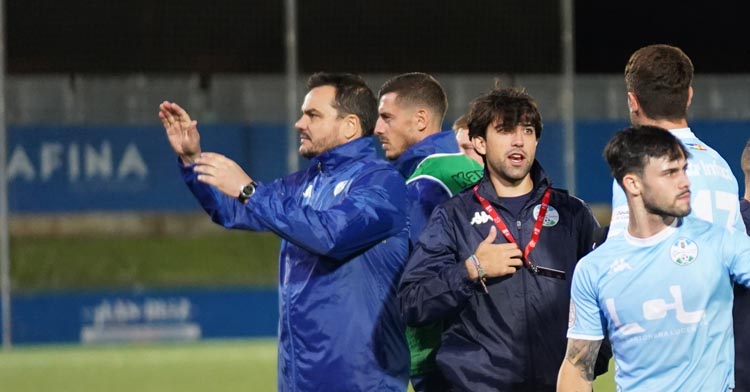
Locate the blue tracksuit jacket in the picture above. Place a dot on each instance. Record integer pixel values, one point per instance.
(344, 229)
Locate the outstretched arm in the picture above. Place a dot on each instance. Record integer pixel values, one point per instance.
(577, 370)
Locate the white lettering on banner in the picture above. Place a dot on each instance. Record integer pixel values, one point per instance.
(98, 163)
(57, 159)
(20, 165)
(132, 163)
(49, 158)
(123, 311)
(74, 167)
(130, 320)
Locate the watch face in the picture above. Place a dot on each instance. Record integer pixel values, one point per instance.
(248, 190)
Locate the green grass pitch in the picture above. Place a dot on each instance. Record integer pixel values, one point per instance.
(227, 365)
(216, 366)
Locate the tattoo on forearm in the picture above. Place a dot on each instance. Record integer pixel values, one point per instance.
(582, 354)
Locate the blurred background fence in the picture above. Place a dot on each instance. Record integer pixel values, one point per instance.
(107, 244)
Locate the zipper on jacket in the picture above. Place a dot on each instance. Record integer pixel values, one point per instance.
(529, 376)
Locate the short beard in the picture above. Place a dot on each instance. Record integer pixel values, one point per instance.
(666, 212)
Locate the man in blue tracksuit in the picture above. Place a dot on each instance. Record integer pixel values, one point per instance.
(411, 111)
(503, 299)
(344, 229)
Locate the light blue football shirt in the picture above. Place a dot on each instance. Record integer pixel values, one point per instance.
(714, 192)
(666, 304)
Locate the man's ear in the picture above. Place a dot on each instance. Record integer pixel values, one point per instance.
(632, 185)
(479, 144)
(690, 96)
(422, 119)
(633, 105)
(352, 127)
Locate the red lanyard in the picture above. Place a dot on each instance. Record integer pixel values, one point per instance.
(504, 229)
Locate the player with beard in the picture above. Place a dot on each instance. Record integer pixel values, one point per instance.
(494, 263)
(661, 291)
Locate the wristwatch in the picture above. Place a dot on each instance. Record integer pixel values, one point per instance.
(246, 191)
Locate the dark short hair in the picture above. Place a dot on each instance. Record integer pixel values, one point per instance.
(417, 88)
(660, 76)
(352, 97)
(629, 150)
(512, 105)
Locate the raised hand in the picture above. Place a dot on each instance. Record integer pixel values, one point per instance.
(495, 259)
(182, 132)
(223, 173)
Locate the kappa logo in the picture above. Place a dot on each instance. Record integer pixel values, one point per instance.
(620, 265)
(480, 218)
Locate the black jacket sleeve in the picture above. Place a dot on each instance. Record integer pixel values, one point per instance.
(435, 284)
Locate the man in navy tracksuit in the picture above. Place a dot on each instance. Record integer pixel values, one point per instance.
(503, 298)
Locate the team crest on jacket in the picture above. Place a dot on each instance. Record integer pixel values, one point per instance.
(683, 251)
(551, 218)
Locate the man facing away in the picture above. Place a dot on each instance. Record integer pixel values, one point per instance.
(411, 111)
(659, 82)
(344, 231)
(661, 291)
(494, 263)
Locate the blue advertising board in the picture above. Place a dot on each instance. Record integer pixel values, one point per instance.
(123, 168)
(132, 168)
(152, 315)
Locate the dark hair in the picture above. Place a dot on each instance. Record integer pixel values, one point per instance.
(461, 122)
(628, 150)
(510, 104)
(660, 77)
(417, 88)
(352, 97)
(746, 158)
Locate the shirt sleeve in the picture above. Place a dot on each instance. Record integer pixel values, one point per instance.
(435, 283)
(373, 210)
(585, 320)
(620, 211)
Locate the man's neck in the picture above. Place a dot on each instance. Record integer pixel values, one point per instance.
(666, 124)
(507, 188)
(643, 224)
